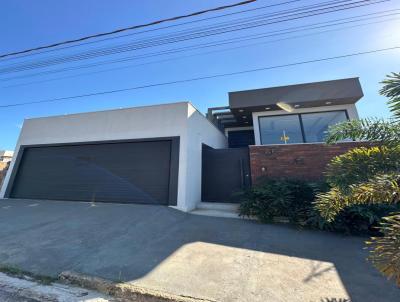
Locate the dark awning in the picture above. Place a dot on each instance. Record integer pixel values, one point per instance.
(336, 92)
(308, 95)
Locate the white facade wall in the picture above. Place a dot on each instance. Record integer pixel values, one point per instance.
(350, 108)
(133, 123)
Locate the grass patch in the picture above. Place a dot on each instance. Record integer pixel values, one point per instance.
(13, 271)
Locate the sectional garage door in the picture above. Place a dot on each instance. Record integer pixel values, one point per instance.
(128, 172)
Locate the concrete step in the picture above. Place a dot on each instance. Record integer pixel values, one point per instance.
(218, 206)
(215, 209)
(215, 213)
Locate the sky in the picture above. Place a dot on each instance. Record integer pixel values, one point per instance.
(27, 24)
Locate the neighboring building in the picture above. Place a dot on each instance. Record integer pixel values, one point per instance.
(6, 156)
(5, 159)
(171, 154)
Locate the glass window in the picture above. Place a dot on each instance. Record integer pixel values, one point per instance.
(282, 129)
(316, 124)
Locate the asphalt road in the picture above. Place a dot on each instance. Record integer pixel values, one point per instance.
(227, 260)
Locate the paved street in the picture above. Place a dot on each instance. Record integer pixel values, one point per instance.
(227, 260)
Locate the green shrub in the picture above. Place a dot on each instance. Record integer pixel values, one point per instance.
(354, 220)
(360, 164)
(277, 198)
(385, 253)
(369, 177)
(294, 199)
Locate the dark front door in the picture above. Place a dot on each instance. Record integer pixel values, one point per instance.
(127, 172)
(224, 173)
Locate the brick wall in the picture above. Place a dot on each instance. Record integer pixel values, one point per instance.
(300, 161)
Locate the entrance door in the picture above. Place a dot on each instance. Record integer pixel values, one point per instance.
(224, 173)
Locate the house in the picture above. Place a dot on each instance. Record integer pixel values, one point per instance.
(6, 156)
(173, 155)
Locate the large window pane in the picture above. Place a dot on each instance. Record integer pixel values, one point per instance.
(280, 129)
(316, 124)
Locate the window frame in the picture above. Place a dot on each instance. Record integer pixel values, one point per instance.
(299, 115)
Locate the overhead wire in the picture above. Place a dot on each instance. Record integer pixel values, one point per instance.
(148, 30)
(192, 55)
(129, 28)
(149, 42)
(313, 26)
(196, 78)
(92, 55)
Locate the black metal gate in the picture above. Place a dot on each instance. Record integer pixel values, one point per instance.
(224, 173)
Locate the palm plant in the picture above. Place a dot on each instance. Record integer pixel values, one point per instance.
(370, 175)
(391, 89)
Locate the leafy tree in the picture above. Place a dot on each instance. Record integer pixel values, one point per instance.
(370, 175)
(391, 89)
(385, 249)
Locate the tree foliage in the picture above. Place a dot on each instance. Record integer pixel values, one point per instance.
(360, 164)
(370, 176)
(381, 188)
(385, 250)
(391, 89)
(386, 132)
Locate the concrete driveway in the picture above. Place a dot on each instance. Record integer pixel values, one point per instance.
(161, 248)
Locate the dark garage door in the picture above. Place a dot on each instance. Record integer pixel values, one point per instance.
(137, 172)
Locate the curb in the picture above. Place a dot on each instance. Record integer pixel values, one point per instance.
(126, 292)
(23, 288)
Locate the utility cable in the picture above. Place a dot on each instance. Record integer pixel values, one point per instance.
(74, 58)
(197, 78)
(129, 28)
(313, 26)
(187, 35)
(149, 30)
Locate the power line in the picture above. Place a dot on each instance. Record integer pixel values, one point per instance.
(152, 30)
(183, 57)
(198, 78)
(148, 41)
(188, 56)
(273, 14)
(187, 35)
(313, 26)
(130, 28)
(131, 47)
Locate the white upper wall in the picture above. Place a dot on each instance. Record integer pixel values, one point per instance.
(167, 120)
(131, 123)
(350, 108)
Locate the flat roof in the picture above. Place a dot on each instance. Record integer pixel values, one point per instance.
(305, 95)
(130, 108)
(334, 92)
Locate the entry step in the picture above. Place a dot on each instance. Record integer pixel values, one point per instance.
(216, 209)
(218, 206)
